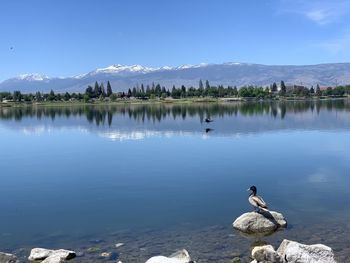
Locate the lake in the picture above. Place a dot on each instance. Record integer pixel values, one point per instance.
(158, 178)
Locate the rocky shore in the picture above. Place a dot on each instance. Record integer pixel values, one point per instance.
(205, 244)
(288, 252)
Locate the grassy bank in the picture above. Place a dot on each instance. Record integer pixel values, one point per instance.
(164, 101)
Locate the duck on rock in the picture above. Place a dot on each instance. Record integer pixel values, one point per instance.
(256, 201)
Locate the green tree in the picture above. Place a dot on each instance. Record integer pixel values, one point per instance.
(17, 96)
(102, 91)
(318, 91)
(86, 98)
(312, 90)
(67, 96)
(109, 89)
(283, 89)
(113, 97)
(134, 91)
(274, 87)
(38, 96)
(235, 91)
(51, 96)
(142, 91)
(96, 90)
(90, 91)
(201, 88)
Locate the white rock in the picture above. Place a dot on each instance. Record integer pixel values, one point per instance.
(7, 258)
(295, 252)
(119, 245)
(266, 254)
(181, 256)
(39, 253)
(43, 253)
(53, 259)
(263, 222)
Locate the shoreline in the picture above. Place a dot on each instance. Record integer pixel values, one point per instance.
(169, 101)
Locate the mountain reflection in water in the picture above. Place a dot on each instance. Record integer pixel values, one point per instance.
(120, 122)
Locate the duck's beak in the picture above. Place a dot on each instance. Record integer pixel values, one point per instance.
(248, 189)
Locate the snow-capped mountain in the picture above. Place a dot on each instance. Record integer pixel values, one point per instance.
(122, 70)
(31, 77)
(238, 74)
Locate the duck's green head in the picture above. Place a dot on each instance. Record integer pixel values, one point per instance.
(252, 188)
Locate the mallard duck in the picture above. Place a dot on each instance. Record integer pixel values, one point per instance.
(255, 200)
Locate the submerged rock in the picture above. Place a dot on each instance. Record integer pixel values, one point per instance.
(262, 222)
(43, 253)
(294, 252)
(7, 258)
(180, 256)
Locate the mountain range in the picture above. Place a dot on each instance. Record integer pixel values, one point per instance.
(123, 77)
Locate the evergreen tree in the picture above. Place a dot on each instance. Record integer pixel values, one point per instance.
(274, 87)
(201, 87)
(109, 89)
(51, 96)
(38, 96)
(148, 91)
(96, 90)
(318, 90)
(17, 96)
(283, 88)
(312, 90)
(235, 91)
(89, 91)
(67, 96)
(102, 91)
(183, 91)
(142, 91)
(158, 90)
(207, 85)
(134, 91)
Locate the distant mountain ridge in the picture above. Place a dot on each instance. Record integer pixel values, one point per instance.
(237, 74)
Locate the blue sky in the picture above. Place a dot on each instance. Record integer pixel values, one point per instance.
(65, 37)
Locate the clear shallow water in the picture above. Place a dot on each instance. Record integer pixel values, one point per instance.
(152, 177)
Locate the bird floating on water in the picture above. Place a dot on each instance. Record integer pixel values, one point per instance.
(256, 201)
(208, 120)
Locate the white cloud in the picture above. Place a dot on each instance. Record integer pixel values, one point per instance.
(319, 16)
(318, 11)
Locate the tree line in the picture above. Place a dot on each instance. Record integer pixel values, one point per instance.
(154, 91)
(156, 112)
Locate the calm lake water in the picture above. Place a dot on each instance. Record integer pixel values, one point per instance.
(155, 178)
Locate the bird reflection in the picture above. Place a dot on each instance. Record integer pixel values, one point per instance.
(207, 130)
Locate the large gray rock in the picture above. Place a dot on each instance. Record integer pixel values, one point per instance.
(266, 254)
(262, 222)
(180, 256)
(43, 253)
(7, 258)
(295, 252)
